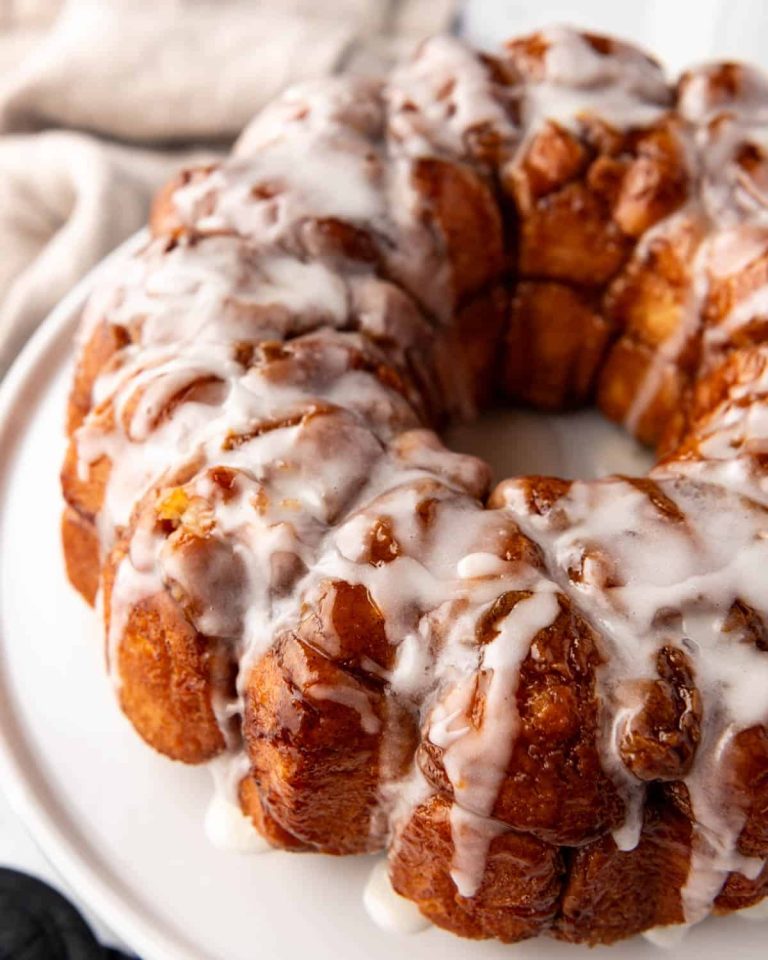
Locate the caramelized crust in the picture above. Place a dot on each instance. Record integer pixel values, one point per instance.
(555, 343)
(520, 888)
(253, 806)
(611, 894)
(169, 673)
(80, 544)
(104, 343)
(554, 787)
(316, 768)
(659, 742)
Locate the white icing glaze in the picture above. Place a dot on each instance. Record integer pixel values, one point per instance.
(320, 437)
(438, 99)
(667, 938)
(571, 60)
(723, 120)
(713, 559)
(700, 102)
(476, 758)
(472, 837)
(625, 88)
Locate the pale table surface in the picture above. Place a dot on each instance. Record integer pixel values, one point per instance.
(19, 851)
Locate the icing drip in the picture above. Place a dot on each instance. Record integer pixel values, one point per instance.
(476, 759)
(472, 837)
(667, 938)
(225, 825)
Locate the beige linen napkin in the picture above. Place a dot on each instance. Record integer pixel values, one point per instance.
(136, 84)
(65, 201)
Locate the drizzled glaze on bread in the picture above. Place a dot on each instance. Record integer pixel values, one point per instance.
(548, 704)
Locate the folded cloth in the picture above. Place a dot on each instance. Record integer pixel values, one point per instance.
(160, 70)
(159, 75)
(65, 201)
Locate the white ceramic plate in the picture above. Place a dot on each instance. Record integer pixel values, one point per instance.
(124, 826)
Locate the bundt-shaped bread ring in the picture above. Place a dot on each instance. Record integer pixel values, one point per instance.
(549, 705)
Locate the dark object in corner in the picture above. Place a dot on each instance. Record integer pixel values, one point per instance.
(37, 923)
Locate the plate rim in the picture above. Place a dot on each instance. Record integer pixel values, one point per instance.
(60, 848)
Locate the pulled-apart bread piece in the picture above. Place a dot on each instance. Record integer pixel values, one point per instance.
(549, 705)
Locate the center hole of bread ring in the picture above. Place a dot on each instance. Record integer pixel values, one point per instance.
(578, 444)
